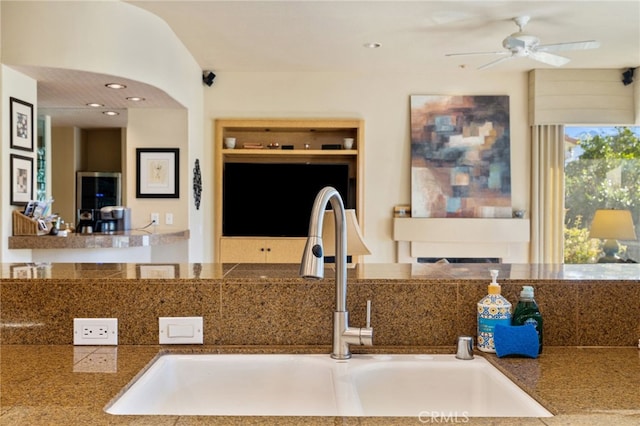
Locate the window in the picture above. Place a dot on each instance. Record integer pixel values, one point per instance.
(602, 170)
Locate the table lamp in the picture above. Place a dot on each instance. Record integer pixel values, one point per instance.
(612, 225)
(355, 241)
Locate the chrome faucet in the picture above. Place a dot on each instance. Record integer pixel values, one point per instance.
(312, 266)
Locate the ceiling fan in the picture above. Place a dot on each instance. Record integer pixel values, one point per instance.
(521, 44)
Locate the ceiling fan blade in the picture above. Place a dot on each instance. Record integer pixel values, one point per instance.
(575, 45)
(499, 52)
(496, 62)
(549, 58)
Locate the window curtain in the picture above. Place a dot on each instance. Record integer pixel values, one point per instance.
(547, 194)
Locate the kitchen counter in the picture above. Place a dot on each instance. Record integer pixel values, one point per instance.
(363, 272)
(63, 384)
(589, 373)
(120, 239)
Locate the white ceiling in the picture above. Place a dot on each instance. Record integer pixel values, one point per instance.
(326, 36)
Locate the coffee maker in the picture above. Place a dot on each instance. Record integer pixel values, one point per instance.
(87, 221)
(114, 219)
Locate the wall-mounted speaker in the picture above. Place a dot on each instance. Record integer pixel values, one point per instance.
(208, 77)
(627, 76)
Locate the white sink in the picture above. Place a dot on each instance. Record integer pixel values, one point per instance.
(317, 385)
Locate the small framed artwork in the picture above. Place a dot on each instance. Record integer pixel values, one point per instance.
(21, 180)
(156, 271)
(21, 124)
(157, 173)
(22, 271)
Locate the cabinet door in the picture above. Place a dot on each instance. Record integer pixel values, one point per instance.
(285, 250)
(242, 250)
(261, 250)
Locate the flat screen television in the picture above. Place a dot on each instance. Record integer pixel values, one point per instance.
(275, 199)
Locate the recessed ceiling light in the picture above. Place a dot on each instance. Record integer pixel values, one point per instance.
(135, 99)
(110, 113)
(95, 105)
(372, 45)
(116, 86)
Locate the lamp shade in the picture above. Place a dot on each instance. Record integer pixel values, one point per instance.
(613, 224)
(355, 241)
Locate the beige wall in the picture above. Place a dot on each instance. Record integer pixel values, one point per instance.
(102, 150)
(382, 101)
(158, 128)
(65, 153)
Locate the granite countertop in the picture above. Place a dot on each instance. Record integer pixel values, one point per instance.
(54, 385)
(363, 272)
(120, 239)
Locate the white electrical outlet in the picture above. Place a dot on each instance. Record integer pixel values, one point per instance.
(95, 331)
(168, 218)
(155, 218)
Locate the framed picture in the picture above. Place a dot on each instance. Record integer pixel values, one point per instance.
(22, 271)
(21, 180)
(156, 271)
(157, 173)
(21, 124)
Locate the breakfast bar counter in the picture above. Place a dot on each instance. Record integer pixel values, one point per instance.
(119, 239)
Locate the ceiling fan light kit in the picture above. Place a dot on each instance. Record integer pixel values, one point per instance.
(523, 45)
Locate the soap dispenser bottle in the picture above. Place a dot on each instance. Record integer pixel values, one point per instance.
(492, 309)
(527, 312)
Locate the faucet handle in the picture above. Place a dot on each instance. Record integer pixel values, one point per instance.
(464, 349)
(366, 333)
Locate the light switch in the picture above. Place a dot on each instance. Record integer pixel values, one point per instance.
(180, 330)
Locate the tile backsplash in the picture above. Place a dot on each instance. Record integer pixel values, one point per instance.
(285, 310)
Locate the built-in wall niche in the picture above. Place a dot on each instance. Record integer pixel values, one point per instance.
(275, 170)
(81, 150)
(101, 150)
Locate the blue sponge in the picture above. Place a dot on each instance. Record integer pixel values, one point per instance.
(519, 340)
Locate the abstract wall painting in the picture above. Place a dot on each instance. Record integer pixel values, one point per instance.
(460, 156)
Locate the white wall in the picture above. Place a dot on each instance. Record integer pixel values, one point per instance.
(112, 37)
(17, 85)
(382, 100)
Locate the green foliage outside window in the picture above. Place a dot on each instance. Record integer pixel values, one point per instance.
(605, 175)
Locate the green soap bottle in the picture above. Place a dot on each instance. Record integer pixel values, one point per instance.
(527, 312)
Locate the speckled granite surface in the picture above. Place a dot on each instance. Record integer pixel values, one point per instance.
(366, 271)
(46, 381)
(415, 305)
(121, 239)
(56, 385)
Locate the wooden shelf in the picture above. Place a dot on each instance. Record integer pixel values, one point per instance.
(461, 230)
(503, 238)
(285, 152)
